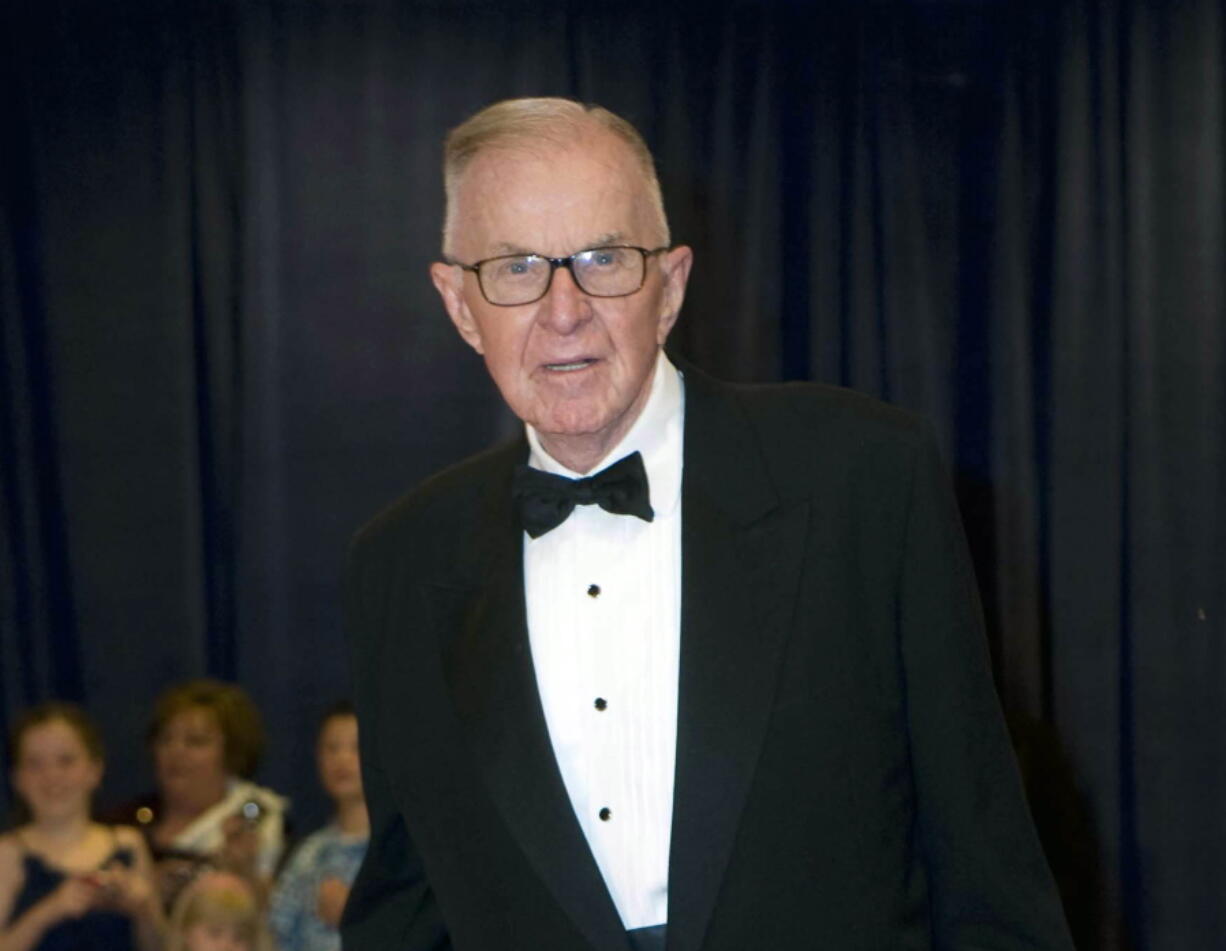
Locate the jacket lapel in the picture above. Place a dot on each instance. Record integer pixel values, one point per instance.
(742, 551)
(487, 662)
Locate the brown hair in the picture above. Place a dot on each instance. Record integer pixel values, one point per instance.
(529, 124)
(235, 713)
(68, 713)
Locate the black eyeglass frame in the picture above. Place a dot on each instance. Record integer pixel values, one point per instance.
(566, 262)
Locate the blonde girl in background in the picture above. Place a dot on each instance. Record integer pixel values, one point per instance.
(219, 911)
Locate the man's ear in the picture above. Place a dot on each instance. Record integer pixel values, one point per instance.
(675, 269)
(449, 282)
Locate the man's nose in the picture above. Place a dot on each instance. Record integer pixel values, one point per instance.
(564, 306)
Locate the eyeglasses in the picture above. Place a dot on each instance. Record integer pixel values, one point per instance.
(515, 279)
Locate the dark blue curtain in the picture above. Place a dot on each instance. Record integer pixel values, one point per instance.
(220, 351)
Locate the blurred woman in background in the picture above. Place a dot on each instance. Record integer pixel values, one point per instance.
(206, 738)
(68, 883)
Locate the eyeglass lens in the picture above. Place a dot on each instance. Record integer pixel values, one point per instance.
(601, 272)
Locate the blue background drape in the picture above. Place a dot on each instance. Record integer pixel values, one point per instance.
(220, 351)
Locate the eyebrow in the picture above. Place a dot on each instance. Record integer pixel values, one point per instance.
(600, 241)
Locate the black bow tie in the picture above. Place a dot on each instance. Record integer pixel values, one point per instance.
(546, 500)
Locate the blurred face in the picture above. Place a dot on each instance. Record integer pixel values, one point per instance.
(340, 769)
(189, 756)
(214, 936)
(55, 774)
(577, 368)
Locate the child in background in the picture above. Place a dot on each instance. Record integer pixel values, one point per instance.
(219, 911)
(310, 895)
(68, 883)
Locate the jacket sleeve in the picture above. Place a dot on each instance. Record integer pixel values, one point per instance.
(989, 881)
(391, 906)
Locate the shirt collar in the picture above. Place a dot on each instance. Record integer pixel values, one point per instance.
(657, 434)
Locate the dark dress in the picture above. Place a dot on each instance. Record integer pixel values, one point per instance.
(95, 930)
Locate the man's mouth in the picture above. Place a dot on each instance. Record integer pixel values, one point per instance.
(569, 367)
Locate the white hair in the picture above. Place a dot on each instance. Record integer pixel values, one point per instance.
(530, 125)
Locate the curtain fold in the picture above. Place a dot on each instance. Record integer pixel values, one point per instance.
(36, 598)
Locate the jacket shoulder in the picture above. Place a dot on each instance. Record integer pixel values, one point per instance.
(834, 409)
(445, 504)
(799, 425)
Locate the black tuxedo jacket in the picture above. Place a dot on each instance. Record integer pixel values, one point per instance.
(843, 778)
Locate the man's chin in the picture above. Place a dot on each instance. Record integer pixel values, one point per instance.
(570, 427)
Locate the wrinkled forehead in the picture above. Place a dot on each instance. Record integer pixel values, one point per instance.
(552, 198)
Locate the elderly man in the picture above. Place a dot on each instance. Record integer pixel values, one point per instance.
(689, 664)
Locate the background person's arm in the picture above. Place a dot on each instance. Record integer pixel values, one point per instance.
(137, 895)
